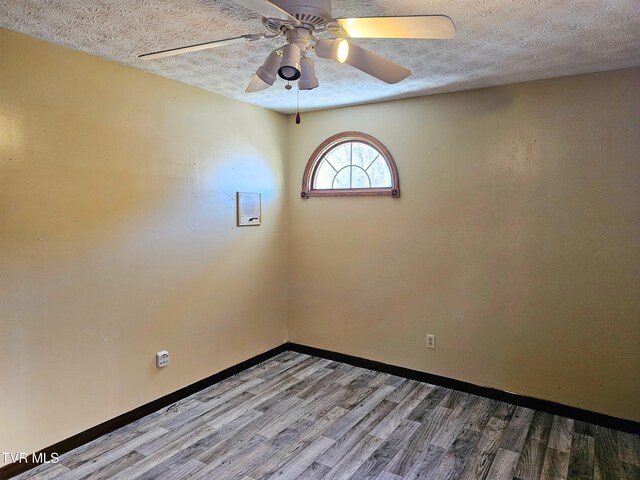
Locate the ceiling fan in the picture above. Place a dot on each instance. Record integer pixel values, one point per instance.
(298, 21)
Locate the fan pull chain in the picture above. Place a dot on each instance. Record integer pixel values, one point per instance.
(298, 105)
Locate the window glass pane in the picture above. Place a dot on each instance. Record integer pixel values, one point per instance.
(340, 157)
(359, 178)
(342, 179)
(324, 176)
(363, 155)
(380, 174)
(352, 165)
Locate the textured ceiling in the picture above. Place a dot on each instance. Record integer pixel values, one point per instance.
(498, 42)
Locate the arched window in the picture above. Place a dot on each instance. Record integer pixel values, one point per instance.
(351, 163)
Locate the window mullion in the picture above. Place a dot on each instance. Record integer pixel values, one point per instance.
(351, 165)
(372, 162)
(330, 164)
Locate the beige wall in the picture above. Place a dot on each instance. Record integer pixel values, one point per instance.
(516, 240)
(118, 238)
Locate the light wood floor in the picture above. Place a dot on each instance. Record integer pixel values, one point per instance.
(302, 417)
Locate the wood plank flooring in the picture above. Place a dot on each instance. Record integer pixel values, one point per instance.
(302, 417)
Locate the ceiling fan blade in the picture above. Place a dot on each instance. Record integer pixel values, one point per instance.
(417, 26)
(201, 46)
(363, 59)
(267, 9)
(376, 65)
(256, 85)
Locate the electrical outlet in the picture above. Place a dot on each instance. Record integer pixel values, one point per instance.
(431, 341)
(162, 359)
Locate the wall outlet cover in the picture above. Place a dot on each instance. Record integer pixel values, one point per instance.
(431, 341)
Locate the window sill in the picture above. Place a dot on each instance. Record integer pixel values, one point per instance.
(352, 192)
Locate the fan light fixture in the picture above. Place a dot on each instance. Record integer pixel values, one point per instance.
(267, 72)
(336, 49)
(308, 79)
(290, 65)
(340, 50)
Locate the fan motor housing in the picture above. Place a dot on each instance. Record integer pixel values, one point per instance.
(311, 12)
